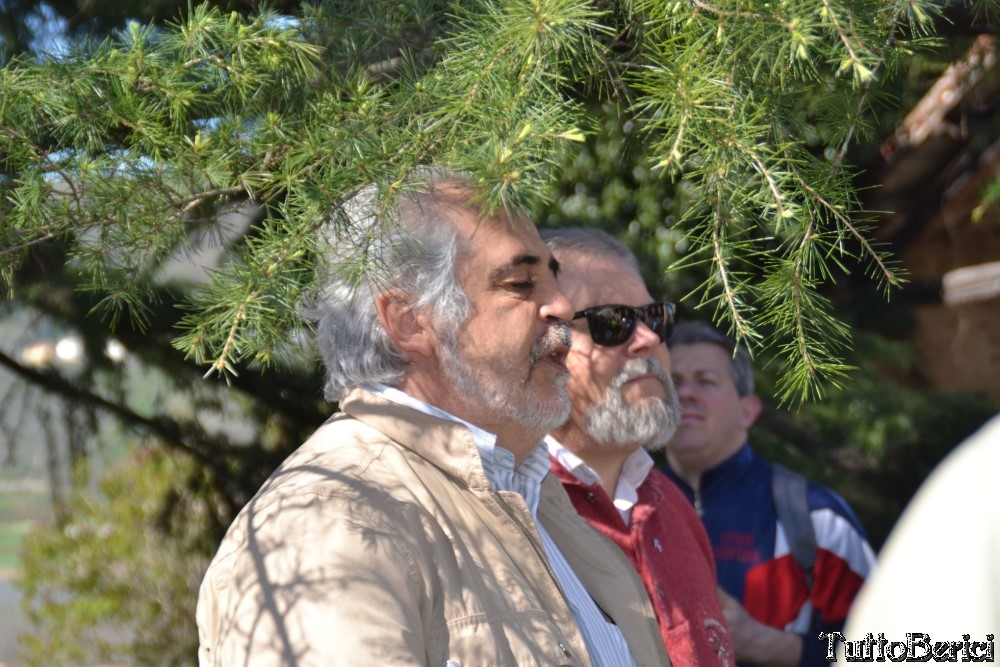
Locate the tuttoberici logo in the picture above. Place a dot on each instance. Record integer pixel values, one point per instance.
(917, 647)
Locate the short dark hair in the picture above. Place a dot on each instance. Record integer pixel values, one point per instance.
(690, 332)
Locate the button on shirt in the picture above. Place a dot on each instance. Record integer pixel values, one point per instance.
(604, 640)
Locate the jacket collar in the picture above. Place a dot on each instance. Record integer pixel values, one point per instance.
(445, 444)
(729, 470)
(721, 475)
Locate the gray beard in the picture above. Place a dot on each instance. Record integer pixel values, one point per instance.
(480, 386)
(615, 423)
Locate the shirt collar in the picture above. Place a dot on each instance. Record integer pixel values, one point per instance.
(401, 397)
(635, 470)
(498, 462)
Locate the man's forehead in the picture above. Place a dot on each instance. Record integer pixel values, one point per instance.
(477, 229)
(524, 259)
(701, 356)
(504, 244)
(601, 280)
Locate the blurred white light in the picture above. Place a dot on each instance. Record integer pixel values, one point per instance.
(38, 354)
(115, 351)
(69, 349)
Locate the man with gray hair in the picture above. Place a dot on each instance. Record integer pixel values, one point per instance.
(624, 405)
(418, 526)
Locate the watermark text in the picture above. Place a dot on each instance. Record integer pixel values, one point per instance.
(917, 647)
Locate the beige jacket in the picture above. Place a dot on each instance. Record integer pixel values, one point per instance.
(380, 542)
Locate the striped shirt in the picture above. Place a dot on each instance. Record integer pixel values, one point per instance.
(604, 640)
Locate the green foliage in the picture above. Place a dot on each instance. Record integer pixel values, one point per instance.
(20, 508)
(607, 185)
(123, 152)
(116, 583)
(990, 202)
(38, 25)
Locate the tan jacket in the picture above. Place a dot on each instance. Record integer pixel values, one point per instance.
(380, 542)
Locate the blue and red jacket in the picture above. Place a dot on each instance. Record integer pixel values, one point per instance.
(753, 560)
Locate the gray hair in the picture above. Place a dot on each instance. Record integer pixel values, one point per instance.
(588, 241)
(407, 245)
(691, 332)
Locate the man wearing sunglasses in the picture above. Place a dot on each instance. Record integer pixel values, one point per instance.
(419, 525)
(624, 404)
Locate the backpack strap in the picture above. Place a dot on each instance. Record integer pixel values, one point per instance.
(790, 499)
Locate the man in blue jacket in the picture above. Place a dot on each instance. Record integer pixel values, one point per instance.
(775, 607)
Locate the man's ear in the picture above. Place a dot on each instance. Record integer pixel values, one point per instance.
(750, 409)
(407, 328)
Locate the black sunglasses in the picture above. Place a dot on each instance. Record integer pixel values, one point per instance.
(614, 324)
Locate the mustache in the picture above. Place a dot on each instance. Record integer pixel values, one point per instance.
(556, 337)
(638, 367)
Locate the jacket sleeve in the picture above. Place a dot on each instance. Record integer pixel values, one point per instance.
(310, 580)
(844, 559)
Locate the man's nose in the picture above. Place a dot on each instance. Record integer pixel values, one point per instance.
(683, 386)
(557, 307)
(644, 340)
